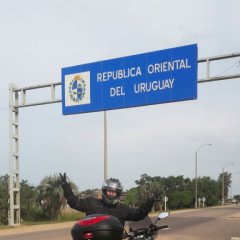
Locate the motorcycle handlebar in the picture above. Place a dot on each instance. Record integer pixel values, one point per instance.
(126, 235)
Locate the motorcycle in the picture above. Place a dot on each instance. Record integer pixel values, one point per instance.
(107, 227)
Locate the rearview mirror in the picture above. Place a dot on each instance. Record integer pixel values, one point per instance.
(163, 215)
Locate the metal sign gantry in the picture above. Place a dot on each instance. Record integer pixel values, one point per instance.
(18, 99)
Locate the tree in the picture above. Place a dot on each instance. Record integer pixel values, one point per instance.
(237, 197)
(131, 197)
(179, 199)
(177, 189)
(89, 193)
(143, 186)
(149, 187)
(50, 196)
(144, 179)
(4, 196)
(28, 201)
(176, 183)
(227, 184)
(209, 189)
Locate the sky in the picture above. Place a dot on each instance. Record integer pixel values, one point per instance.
(39, 38)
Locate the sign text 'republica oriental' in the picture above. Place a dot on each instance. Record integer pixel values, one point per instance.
(150, 78)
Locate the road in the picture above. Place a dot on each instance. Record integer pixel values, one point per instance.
(208, 224)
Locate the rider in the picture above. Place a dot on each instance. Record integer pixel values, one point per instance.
(109, 204)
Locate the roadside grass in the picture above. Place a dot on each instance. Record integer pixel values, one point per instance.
(67, 214)
(4, 227)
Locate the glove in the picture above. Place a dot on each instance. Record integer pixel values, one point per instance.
(63, 178)
(65, 185)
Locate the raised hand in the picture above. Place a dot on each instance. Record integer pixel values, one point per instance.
(63, 178)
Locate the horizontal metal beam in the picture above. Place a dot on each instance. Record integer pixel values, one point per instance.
(220, 57)
(218, 78)
(39, 103)
(37, 86)
(52, 86)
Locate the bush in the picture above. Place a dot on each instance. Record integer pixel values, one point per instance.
(180, 199)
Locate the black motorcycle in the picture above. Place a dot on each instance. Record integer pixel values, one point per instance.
(106, 227)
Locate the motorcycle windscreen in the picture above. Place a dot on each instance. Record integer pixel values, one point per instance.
(145, 223)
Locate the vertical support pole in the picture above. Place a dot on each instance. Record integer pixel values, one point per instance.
(196, 180)
(223, 187)
(14, 182)
(105, 145)
(23, 97)
(208, 69)
(52, 92)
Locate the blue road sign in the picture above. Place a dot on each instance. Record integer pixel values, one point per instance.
(150, 78)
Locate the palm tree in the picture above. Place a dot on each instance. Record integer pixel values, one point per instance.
(50, 196)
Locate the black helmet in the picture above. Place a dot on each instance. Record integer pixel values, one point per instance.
(113, 185)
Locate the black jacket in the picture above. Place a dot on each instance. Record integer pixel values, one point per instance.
(91, 205)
